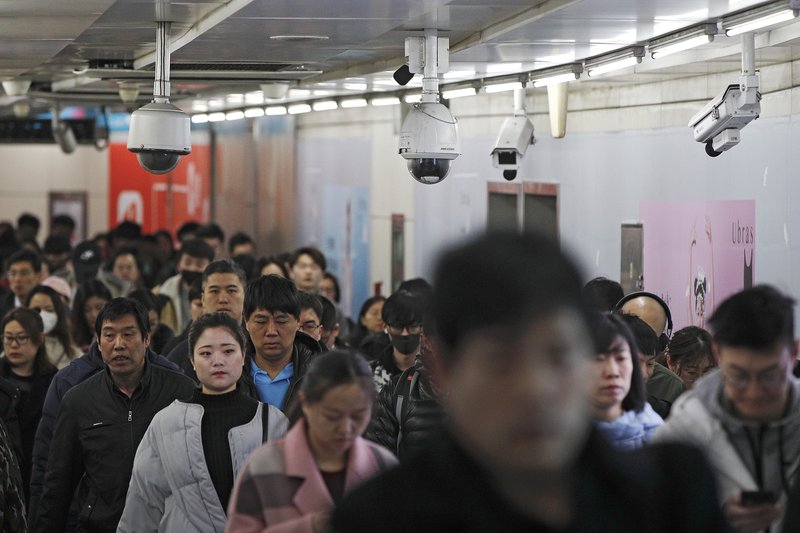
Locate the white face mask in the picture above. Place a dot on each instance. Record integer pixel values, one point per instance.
(49, 319)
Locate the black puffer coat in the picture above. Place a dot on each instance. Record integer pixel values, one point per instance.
(408, 415)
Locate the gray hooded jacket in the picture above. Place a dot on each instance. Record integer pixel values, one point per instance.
(744, 455)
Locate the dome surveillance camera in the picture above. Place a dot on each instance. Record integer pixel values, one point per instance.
(159, 134)
(429, 141)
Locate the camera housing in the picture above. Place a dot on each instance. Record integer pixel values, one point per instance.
(516, 134)
(429, 141)
(718, 123)
(159, 134)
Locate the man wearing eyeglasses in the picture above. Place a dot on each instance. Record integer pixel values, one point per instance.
(746, 415)
(310, 315)
(402, 314)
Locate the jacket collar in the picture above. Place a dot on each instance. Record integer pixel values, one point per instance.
(299, 462)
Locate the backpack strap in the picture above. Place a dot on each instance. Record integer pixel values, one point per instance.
(264, 422)
(402, 390)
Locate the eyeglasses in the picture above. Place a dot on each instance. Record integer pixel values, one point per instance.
(309, 326)
(21, 339)
(412, 330)
(769, 380)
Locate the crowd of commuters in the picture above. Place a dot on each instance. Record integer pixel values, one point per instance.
(148, 384)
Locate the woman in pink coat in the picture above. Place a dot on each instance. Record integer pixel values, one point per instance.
(292, 485)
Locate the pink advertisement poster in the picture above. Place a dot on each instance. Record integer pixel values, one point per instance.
(697, 253)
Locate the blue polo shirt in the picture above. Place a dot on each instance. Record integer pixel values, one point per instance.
(272, 391)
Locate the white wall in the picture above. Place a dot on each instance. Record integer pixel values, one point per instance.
(624, 145)
(30, 171)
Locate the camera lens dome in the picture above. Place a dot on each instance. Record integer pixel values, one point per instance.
(158, 162)
(429, 170)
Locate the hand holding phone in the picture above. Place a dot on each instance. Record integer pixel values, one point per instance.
(758, 497)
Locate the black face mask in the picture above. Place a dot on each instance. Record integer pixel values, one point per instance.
(189, 276)
(405, 344)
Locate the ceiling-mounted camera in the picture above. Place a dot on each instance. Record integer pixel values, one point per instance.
(429, 135)
(516, 134)
(719, 122)
(160, 132)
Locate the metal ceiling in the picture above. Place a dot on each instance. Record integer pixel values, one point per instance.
(81, 50)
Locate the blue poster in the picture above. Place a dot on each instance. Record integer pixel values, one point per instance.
(345, 241)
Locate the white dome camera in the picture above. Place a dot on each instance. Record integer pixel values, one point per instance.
(429, 141)
(159, 134)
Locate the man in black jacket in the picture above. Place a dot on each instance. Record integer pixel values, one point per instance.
(408, 413)
(276, 362)
(101, 422)
(519, 453)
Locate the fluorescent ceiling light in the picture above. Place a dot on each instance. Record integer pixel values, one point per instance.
(390, 100)
(502, 87)
(234, 115)
(613, 65)
(353, 102)
(458, 74)
(216, 103)
(502, 68)
(216, 117)
(235, 98)
(299, 93)
(199, 119)
(459, 93)
(355, 86)
(412, 98)
(255, 97)
(760, 22)
(299, 108)
(274, 111)
(680, 46)
(560, 78)
(254, 112)
(325, 105)
(201, 107)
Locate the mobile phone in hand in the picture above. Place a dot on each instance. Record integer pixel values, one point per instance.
(758, 497)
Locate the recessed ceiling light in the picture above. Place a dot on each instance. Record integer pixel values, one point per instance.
(299, 38)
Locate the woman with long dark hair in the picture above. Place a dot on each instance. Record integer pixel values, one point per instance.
(25, 364)
(61, 349)
(90, 299)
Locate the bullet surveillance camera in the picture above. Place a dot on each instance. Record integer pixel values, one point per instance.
(719, 122)
(429, 141)
(516, 134)
(159, 134)
(62, 133)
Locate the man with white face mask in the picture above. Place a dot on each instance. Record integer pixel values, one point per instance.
(61, 349)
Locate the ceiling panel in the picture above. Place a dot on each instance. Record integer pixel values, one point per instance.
(49, 39)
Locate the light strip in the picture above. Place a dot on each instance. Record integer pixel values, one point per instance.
(613, 65)
(389, 100)
(353, 102)
(234, 115)
(325, 105)
(254, 112)
(299, 108)
(760, 22)
(560, 78)
(216, 117)
(502, 87)
(680, 46)
(199, 119)
(412, 98)
(459, 93)
(275, 111)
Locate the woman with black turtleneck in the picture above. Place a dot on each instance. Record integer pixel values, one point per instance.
(187, 461)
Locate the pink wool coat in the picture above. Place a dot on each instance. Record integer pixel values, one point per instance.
(280, 487)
